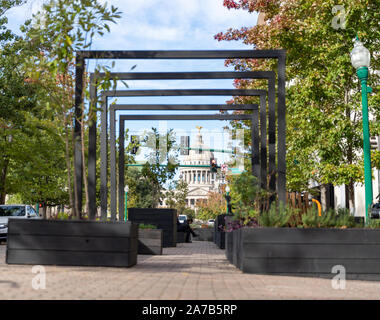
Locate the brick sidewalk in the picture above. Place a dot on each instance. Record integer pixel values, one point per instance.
(197, 270)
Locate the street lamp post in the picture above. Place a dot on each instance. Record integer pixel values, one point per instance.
(228, 199)
(360, 59)
(126, 189)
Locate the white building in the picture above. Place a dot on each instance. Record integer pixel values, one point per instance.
(199, 179)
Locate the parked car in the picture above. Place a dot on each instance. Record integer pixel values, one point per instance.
(14, 211)
(182, 218)
(211, 222)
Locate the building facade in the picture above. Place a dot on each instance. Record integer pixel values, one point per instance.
(200, 180)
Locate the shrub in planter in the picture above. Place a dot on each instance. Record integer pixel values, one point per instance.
(310, 247)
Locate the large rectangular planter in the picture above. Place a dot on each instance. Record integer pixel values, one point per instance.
(306, 252)
(150, 241)
(165, 219)
(72, 243)
(204, 234)
(228, 245)
(181, 237)
(219, 234)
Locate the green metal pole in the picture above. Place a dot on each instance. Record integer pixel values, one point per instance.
(363, 76)
(125, 207)
(228, 202)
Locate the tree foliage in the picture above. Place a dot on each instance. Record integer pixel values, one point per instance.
(324, 121)
(210, 208)
(176, 196)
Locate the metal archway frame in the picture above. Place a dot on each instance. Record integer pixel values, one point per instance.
(279, 55)
(128, 93)
(134, 93)
(113, 108)
(256, 75)
(254, 117)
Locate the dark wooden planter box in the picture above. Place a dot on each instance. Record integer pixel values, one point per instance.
(219, 234)
(306, 252)
(165, 219)
(72, 242)
(204, 234)
(181, 236)
(228, 245)
(150, 241)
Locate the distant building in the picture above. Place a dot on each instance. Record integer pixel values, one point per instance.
(200, 180)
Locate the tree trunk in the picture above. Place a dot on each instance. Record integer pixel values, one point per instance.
(350, 156)
(351, 196)
(323, 197)
(76, 209)
(84, 167)
(68, 166)
(3, 178)
(44, 212)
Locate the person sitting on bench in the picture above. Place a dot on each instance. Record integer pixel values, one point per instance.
(185, 227)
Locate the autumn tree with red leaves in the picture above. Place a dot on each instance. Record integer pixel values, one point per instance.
(324, 121)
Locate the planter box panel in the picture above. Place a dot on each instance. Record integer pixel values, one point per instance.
(220, 239)
(150, 233)
(181, 236)
(164, 219)
(204, 234)
(150, 241)
(295, 235)
(219, 235)
(312, 251)
(309, 266)
(229, 244)
(110, 244)
(71, 258)
(71, 228)
(76, 243)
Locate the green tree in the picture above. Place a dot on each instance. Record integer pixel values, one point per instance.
(56, 32)
(324, 124)
(210, 208)
(18, 100)
(162, 161)
(176, 196)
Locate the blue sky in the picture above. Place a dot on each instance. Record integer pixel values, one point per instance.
(166, 25)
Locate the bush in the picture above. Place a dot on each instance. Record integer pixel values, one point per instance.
(277, 216)
(331, 219)
(374, 223)
(62, 216)
(147, 226)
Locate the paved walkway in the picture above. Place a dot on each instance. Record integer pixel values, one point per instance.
(195, 270)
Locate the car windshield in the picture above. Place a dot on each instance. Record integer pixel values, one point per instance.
(12, 211)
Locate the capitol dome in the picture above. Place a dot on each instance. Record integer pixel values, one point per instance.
(197, 173)
(197, 154)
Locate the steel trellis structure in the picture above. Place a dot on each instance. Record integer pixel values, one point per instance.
(269, 75)
(279, 55)
(122, 118)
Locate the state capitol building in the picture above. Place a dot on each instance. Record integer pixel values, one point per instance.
(200, 181)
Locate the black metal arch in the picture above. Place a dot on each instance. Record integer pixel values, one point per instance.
(258, 170)
(268, 75)
(279, 55)
(254, 117)
(113, 108)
